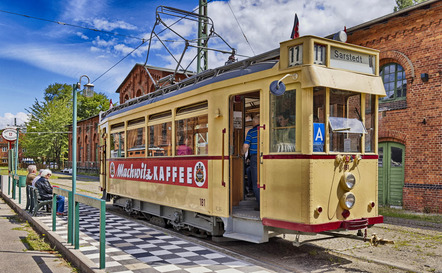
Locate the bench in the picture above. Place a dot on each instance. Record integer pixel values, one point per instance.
(29, 198)
(38, 204)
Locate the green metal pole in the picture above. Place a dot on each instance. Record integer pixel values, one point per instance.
(54, 210)
(77, 226)
(102, 234)
(16, 167)
(9, 167)
(74, 158)
(70, 219)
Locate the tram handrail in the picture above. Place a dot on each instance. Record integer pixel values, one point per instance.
(223, 183)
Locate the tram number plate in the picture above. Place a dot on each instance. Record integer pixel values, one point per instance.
(202, 202)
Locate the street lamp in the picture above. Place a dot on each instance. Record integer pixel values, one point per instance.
(87, 92)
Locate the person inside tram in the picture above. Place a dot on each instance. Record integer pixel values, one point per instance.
(251, 146)
(183, 147)
(285, 135)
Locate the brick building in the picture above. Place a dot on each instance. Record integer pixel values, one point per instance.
(141, 80)
(410, 117)
(87, 145)
(4, 147)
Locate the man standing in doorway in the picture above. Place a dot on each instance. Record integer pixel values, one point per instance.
(251, 145)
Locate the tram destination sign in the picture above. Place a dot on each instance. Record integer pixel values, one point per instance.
(10, 134)
(352, 60)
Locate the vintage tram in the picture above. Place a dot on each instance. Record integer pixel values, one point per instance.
(174, 155)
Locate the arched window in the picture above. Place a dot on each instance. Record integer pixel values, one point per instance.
(395, 83)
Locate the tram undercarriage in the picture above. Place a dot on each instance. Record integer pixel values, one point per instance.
(181, 220)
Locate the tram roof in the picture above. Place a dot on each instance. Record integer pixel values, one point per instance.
(237, 69)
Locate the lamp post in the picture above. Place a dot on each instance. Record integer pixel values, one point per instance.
(87, 92)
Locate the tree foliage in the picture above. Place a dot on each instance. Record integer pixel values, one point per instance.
(46, 136)
(402, 4)
(51, 118)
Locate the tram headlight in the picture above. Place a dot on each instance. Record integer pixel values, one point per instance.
(348, 200)
(348, 181)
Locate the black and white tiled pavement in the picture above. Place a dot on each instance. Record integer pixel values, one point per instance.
(132, 247)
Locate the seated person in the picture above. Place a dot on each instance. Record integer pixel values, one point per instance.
(285, 133)
(45, 191)
(183, 147)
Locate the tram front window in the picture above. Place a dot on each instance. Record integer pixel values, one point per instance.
(283, 129)
(319, 96)
(370, 118)
(346, 128)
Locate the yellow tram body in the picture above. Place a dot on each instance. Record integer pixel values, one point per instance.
(323, 178)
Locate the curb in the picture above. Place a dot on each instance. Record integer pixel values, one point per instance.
(74, 256)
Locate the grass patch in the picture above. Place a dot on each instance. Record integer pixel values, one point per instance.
(399, 213)
(33, 241)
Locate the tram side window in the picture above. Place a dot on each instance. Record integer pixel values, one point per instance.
(370, 122)
(136, 142)
(283, 118)
(192, 136)
(160, 139)
(318, 119)
(117, 144)
(346, 128)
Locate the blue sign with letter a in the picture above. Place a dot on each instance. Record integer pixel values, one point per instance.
(318, 133)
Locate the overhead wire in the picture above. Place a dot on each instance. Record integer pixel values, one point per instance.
(143, 40)
(72, 25)
(245, 37)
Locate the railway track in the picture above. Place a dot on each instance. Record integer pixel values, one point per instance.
(279, 254)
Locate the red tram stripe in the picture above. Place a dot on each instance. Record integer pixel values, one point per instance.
(227, 157)
(314, 228)
(312, 156)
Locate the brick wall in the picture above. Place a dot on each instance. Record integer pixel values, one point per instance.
(138, 82)
(413, 40)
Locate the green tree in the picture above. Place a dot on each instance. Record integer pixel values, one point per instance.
(89, 107)
(58, 91)
(402, 4)
(51, 118)
(46, 136)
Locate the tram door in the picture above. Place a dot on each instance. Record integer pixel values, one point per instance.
(242, 109)
(391, 173)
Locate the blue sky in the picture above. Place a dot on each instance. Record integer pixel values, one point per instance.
(36, 53)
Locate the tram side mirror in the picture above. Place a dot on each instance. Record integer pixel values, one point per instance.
(277, 88)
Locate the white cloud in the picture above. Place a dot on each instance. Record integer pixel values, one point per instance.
(8, 119)
(82, 36)
(103, 43)
(103, 24)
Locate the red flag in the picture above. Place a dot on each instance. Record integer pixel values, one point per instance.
(295, 31)
(110, 104)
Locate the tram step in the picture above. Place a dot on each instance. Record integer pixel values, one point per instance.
(246, 229)
(245, 237)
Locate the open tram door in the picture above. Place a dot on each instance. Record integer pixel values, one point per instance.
(242, 110)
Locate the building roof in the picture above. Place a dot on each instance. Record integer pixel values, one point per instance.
(150, 68)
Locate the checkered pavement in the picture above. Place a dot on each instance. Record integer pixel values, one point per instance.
(132, 247)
